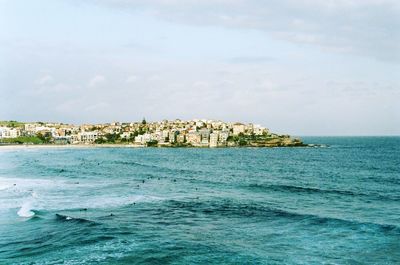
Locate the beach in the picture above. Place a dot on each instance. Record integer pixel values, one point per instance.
(55, 146)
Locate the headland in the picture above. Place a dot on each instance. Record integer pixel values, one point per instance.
(175, 133)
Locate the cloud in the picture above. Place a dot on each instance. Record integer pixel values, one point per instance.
(96, 81)
(251, 59)
(360, 27)
(97, 107)
(46, 79)
(131, 79)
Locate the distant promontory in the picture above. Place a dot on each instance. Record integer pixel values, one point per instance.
(166, 133)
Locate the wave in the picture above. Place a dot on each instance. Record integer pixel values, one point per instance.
(299, 189)
(231, 210)
(161, 168)
(67, 218)
(26, 210)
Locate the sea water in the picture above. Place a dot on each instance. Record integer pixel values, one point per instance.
(338, 204)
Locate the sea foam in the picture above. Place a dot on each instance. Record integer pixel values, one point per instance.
(26, 210)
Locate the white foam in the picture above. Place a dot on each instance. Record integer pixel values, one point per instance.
(116, 201)
(4, 186)
(22, 195)
(26, 210)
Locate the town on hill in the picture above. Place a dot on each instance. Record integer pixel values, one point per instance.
(174, 133)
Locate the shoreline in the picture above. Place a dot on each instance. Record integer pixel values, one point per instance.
(60, 146)
(82, 146)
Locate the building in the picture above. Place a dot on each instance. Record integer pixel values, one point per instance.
(126, 135)
(258, 130)
(62, 139)
(193, 138)
(238, 128)
(172, 136)
(139, 139)
(214, 139)
(6, 132)
(144, 138)
(205, 136)
(180, 138)
(88, 137)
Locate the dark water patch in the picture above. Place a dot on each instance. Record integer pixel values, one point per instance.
(181, 251)
(158, 167)
(311, 190)
(35, 218)
(257, 213)
(77, 220)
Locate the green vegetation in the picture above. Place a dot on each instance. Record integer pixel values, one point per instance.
(152, 143)
(100, 141)
(112, 137)
(109, 138)
(45, 137)
(242, 142)
(23, 140)
(245, 140)
(12, 124)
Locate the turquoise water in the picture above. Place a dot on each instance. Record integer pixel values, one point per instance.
(334, 205)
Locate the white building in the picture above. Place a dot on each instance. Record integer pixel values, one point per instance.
(172, 136)
(193, 138)
(205, 135)
(223, 136)
(139, 139)
(144, 138)
(6, 132)
(88, 137)
(258, 130)
(125, 135)
(238, 128)
(214, 139)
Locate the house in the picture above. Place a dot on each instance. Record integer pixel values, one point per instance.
(62, 139)
(193, 138)
(223, 136)
(180, 138)
(6, 132)
(214, 139)
(144, 138)
(88, 137)
(205, 135)
(258, 130)
(238, 128)
(126, 135)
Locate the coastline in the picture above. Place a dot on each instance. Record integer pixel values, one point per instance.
(82, 146)
(60, 146)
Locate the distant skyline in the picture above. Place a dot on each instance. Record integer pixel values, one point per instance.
(302, 67)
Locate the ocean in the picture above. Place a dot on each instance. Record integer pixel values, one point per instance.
(338, 204)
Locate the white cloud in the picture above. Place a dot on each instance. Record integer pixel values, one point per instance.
(97, 107)
(45, 79)
(132, 79)
(361, 27)
(96, 81)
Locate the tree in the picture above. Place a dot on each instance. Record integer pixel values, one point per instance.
(45, 137)
(144, 121)
(242, 142)
(100, 140)
(152, 143)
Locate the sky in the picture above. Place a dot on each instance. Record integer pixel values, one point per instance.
(303, 67)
